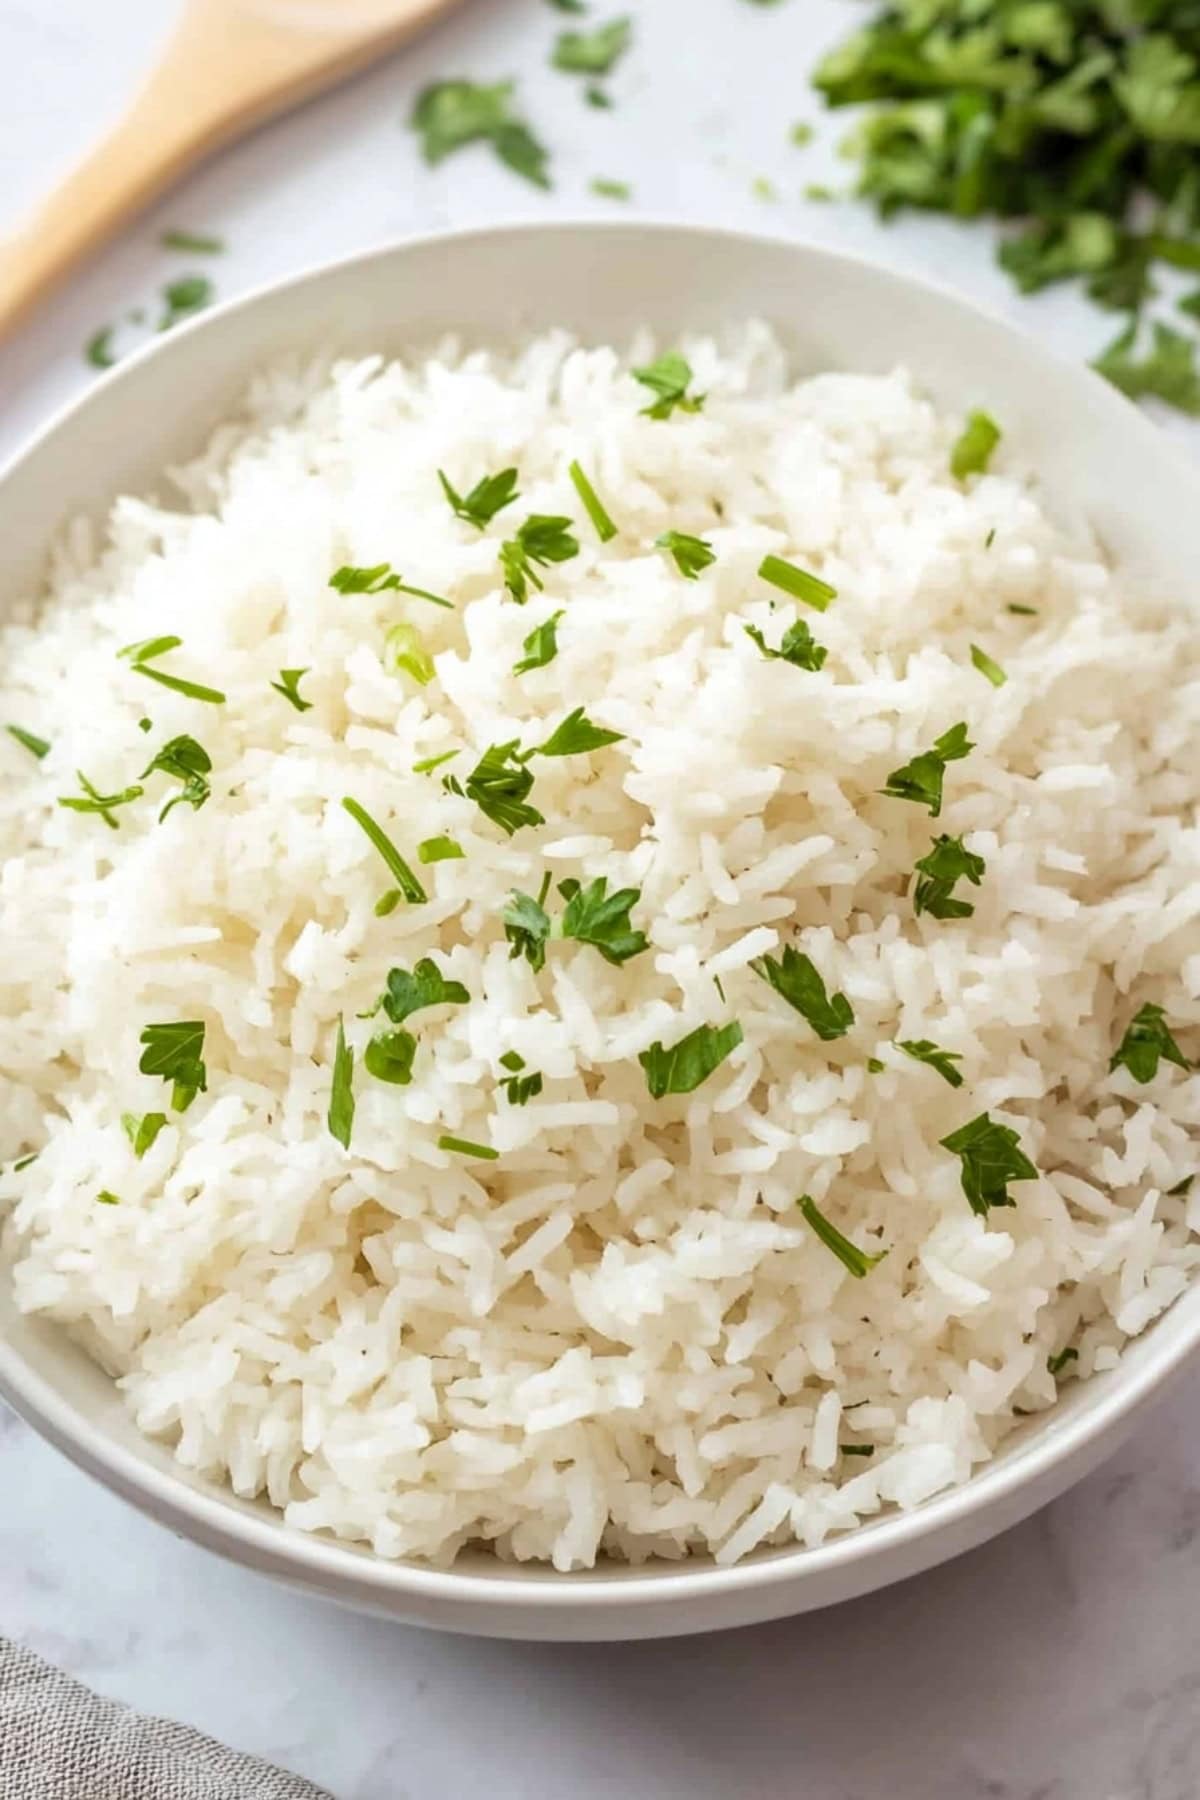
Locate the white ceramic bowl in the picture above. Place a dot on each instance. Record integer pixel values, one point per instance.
(1095, 452)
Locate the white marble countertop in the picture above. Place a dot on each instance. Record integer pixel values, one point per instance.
(1061, 1662)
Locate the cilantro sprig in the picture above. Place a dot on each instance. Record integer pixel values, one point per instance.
(798, 646)
(175, 1052)
(490, 495)
(921, 779)
(540, 647)
(187, 762)
(940, 870)
(689, 554)
(683, 1066)
(448, 115)
(591, 916)
(380, 578)
(924, 1050)
(991, 1156)
(796, 979)
(1147, 1041)
(593, 52)
(93, 801)
(668, 377)
(543, 539)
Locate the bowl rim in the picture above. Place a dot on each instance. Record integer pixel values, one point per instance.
(213, 1515)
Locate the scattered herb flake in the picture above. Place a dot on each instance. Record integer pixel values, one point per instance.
(593, 52)
(797, 980)
(200, 242)
(175, 1052)
(36, 746)
(187, 762)
(106, 1198)
(409, 887)
(924, 1051)
(540, 647)
(439, 849)
(500, 784)
(464, 1147)
(799, 583)
(801, 134)
(1056, 1364)
(594, 916)
(490, 495)
(1025, 612)
(947, 862)
(405, 652)
(140, 656)
(690, 554)
(1147, 1040)
(142, 1131)
(764, 189)
(608, 189)
(451, 114)
(972, 451)
(99, 349)
(411, 993)
(519, 1088)
(874, 1066)
(289, 686)
(380, 578)
(341, 1092)
(527, 926)
(682, 1068)
(798, 647)
(858, 1262)
(991, 1157)
(181, 298)
(605, 528)
(575, 735)
(389, 1057)
(92, 801)
(669, 377)
(542, 539)
(1167, 371)
(597, 97)
(984, 663)
(921, 779)
(429, 763)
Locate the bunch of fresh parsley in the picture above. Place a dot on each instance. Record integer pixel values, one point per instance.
(1078, 120)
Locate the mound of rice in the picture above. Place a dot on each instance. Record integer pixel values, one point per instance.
(620, 1335)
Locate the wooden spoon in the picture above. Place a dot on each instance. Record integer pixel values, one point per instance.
(230, 65)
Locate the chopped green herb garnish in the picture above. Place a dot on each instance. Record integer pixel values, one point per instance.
(1147, 1040)
(819, 192)
(797, 980)
(691, 554)
(596, 512)
(593, 52)
(874, 1066)
(464, 1147)
(594, 916)
(668, 377)
(720, 989)
(991, 1157)
(607, 189)
(201, 242)
(389, 1057)
(921, 779)
(289, 686)
(527, 926)
(540, 647)
(490, 495)
(1056, 1364)
(799, 647)
(380, 578)
(575, 735)
(682, 1068)
(948, 862)
(140, 656)
(857, 1449)
(451, 114)
(341, 1093)
(801, 134)
(542, 539)
(439, 849)
(187, 762)
(763, 188)
(1026, 612)
(404, 652)
(1167, 371)
(992, 670)
(181, 298)
(142, 1131)
(409, 887)
(411, 993)
(91, 801)
(799, 583)
(36, 746)
(499, 784)
(859, 1262)
(98, 350)
(519, 1088)
(145, 724)
(23, 1162)
(106, 1198)
(429, 763)
(923, 1050)
(175, 1052)
(972, 451)
(596, 96)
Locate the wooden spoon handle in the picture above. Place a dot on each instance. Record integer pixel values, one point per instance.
(225, 70)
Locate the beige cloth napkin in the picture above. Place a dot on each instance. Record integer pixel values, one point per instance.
(59, 1741)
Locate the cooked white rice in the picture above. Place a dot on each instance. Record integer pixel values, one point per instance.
(621, 1335)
